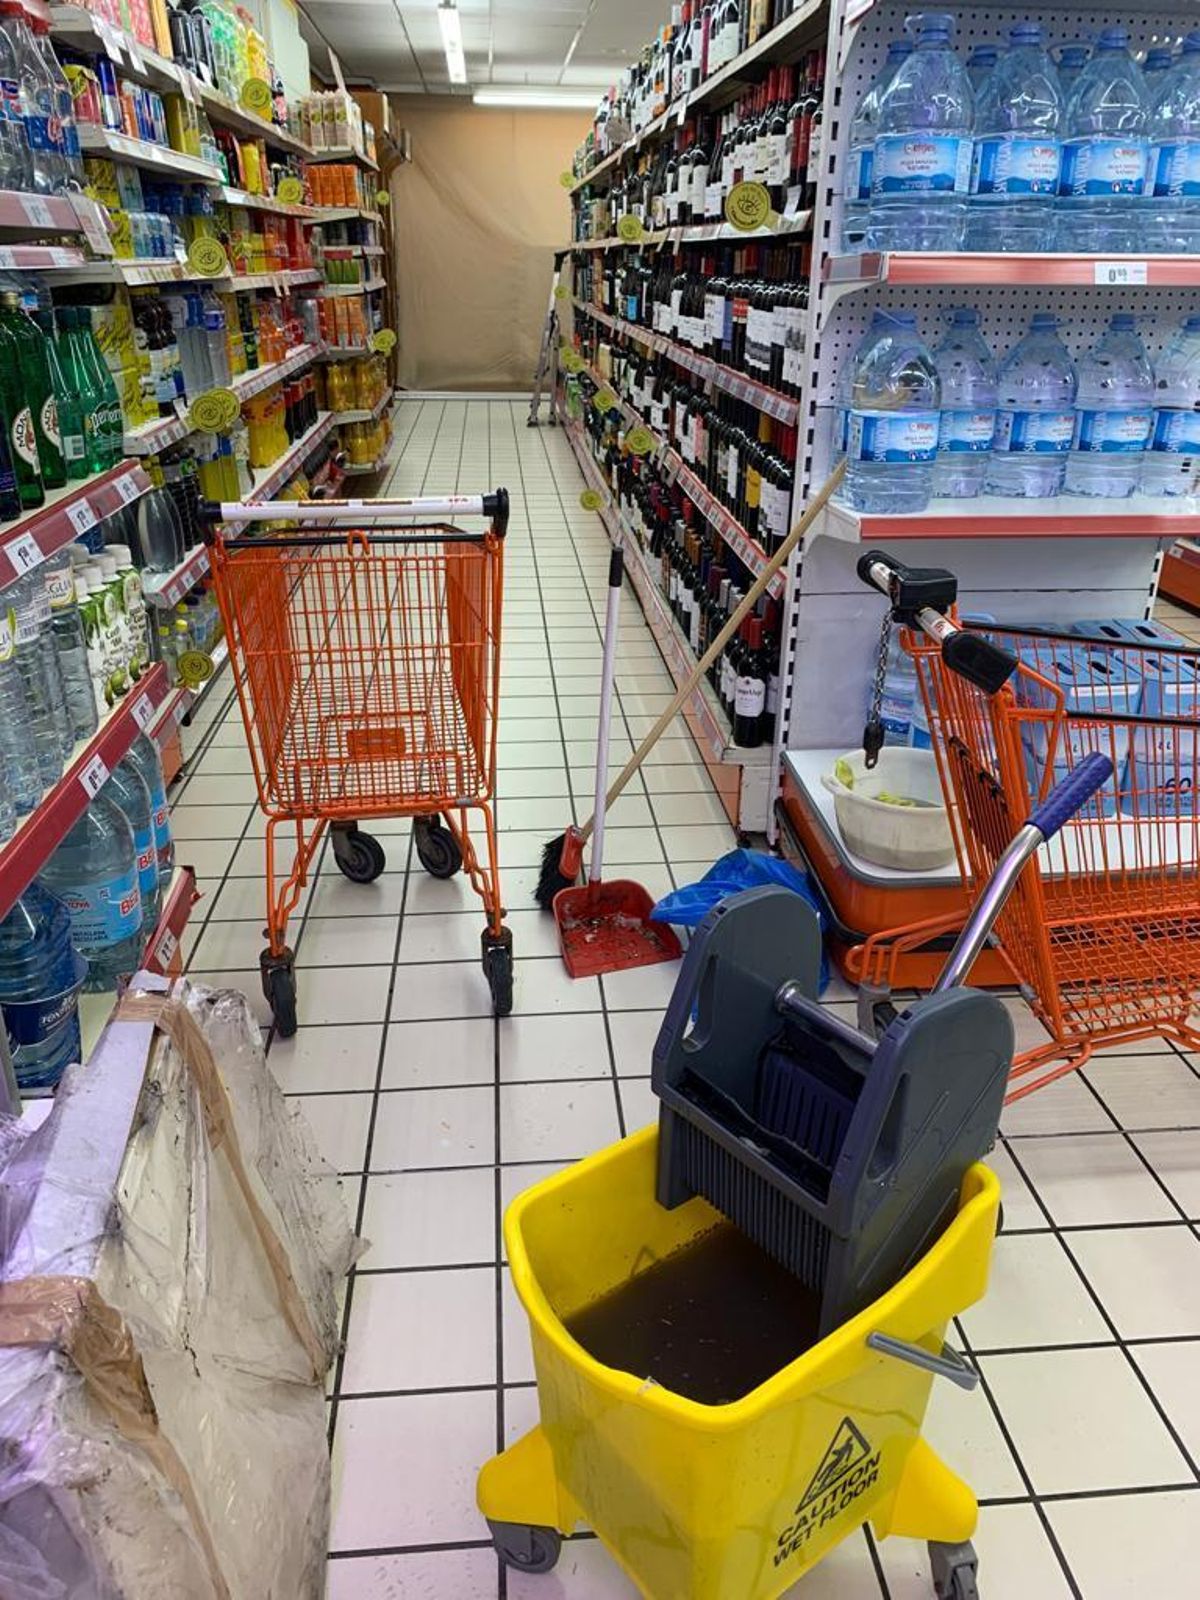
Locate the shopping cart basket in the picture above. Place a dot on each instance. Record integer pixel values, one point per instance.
(365, 646)
(1103, 933)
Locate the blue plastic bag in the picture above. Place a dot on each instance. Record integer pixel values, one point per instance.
(740, 869)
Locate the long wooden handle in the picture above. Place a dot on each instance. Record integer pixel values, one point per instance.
(733, 623)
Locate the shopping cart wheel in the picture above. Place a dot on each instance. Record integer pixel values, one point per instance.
(954, 1567)
(498, 969)
(359, 855)
(279, 988)
(437, 847)
(525, 1545)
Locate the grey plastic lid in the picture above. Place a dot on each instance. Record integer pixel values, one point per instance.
(1043, 322)
(983, 53)
(934, 25)
(1192, 324)
(1026, 33)
(964, 317)
(1112, 39)
(1123, 322)
(1162, 57)
(1191, 43)
(1073, 55)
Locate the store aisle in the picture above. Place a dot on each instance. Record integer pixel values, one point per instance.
(1084, 1445)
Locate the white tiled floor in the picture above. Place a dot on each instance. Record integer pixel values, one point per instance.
(1083, 1444)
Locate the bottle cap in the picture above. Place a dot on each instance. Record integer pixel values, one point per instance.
(964, 317)
(122, 554)
(1043, 322)
(1112, 39)
(108, 564)
(1123, 322)
(1191, 43)
(1193, 323)
(934, 26)
(1073, 55)
(79, 553)
(82, 589)
(1025, 33)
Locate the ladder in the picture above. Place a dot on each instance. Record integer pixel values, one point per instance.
(546, 378)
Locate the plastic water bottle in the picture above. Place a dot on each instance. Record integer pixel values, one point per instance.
(216, 344)
(900, 694)
(1018, 148)
(128, 788)
(14, 143)
(38, 661)
(66, 628)
(18, 739)
(921, 166)
(892, 434)
(1173, 183)
(1072, 58)
(143, 753)
(1114, 414)
(63, 130)
(1106, 152)
(1171, 464)
(856, 195)
(38, 102)
(1035, 414)
(966, 370)
(94, 874)
(40, 978)
(1159, 60)
(981, 63)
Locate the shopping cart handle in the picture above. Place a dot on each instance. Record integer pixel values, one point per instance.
(979, 661)
(1071, 794)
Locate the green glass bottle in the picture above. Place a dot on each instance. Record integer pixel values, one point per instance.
(113, 421)
(69, 405)
(92, 409)
(18, 424)
(36, 383)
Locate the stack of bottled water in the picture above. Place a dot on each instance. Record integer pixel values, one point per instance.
(951, 422)
(1024, 148)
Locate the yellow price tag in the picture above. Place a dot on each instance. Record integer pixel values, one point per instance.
(630, 229)
(383, 342)
(207, 258)
(591, 500)
(195, 667)
(567, 179)
(747, 206)
(382, 199)
(570, 360)
(214, 411)
(290, 191)
(605, 400)
(562, 292)
(639, 441)
(256, 97)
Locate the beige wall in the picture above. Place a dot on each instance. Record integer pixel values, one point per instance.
(477, 213)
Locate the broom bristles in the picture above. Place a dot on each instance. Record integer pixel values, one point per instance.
(551, 877)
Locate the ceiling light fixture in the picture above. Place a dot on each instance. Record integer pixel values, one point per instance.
(452, 41)
(539, 99)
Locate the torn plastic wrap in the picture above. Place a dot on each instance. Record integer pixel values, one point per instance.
(172, 1251)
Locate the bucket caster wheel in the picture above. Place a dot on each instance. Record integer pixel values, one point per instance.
(279, 990)
(437, 848)
(525, 1546)
(359, 856)
(498, 969)
(954, 1568)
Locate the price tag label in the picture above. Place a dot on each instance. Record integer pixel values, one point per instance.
(94, 223)
(110, 39)
(93, 777)
(37, 211)
(81, 516)
(165, 949)
(7, 259)
(1118, 273)
(24, 552)
(207, 258)
(189, 85)
(65, 258)
(136, 60)
(143, 711)
(127, 487)
(255, 97)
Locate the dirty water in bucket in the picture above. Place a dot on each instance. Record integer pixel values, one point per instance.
(712, 1321)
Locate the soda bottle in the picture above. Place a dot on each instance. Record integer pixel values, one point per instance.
(19, 424)
(68, 418)
(34, 366)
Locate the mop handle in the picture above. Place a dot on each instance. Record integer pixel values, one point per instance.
(616, 574)
(733, 623)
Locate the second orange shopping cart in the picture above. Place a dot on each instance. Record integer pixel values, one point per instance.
(365, 645)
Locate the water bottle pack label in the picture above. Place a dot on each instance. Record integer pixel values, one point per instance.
(1177, 432)
(1100, 166)
(1013, 165)
(1043, 433)
(162, 821)
(966, 431)
(908, 436)
(1113, 432)
(43, 132)
(32, 1022)
(104, 914)
(858, 173)
(146, 851)
(909, 163)
(10, 100)
(1175, 170)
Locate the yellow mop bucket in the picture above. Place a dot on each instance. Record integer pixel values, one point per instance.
(737, 1501)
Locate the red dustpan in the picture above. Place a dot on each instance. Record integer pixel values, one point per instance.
(606, 927)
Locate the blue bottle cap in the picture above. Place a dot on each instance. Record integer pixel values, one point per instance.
(1193, 323)
(964, 317)
(897, 319)
(1191, 43)
(1043, 322)
(1073, 55)
(1026, 33)
(1123, 322)
(1158, 60)
(937, 26)
(1112, 39)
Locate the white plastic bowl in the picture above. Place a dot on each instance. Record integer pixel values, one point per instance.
(908, 838)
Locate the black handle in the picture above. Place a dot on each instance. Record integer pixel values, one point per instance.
(616, 568)
(979, 661)
(910, 589)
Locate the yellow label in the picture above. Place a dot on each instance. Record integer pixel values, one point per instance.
(256, 97)
(570, 360)
(383, 342)
(290, 191)
(382, 199)
(214, 411)
(567, 179)
(195, 667)
(630, 229)
(747, 206)
(591, 500)
(605, 400)
(562, 292)
(639, 441)
(207, 258)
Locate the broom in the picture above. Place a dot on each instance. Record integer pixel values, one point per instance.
(563, 856)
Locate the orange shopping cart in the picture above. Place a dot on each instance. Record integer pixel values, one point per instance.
(364, 638)
(1102, 933)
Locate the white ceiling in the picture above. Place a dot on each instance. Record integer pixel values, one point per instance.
(397, 44)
